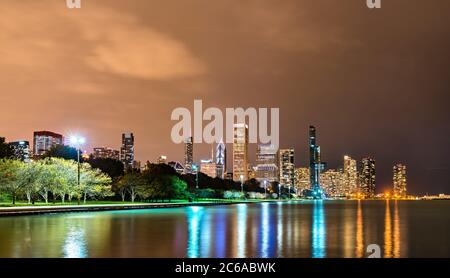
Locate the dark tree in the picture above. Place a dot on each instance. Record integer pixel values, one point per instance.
(65, 152)
(5, 149)
(111, 167)
(252, 185)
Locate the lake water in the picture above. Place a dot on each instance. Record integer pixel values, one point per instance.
(297, 229)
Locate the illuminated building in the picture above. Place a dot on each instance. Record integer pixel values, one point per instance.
(267, 163)
(102, 152)
(43, 141)
(188, 155)
(287, 167)
(251, 172)
(162, 159)
(314, 162)
(367, 177)
(331, 183)
(350, 176)
(208, 167)
(399, 180)
(177, 166)
(302, 180)
(127, 151)
(240, 152)
(21, 150)
(221, 160)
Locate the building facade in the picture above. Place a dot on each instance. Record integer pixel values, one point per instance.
(399, 180)
(127, 151)
(162, 159)
(287, 167)
(350, 176)
(314, 161)
(240, 152)
(331, 182)
(302, 180)
(267, 163)
(367, 177)
(188, 155)
(208, 167)
(21, 150)
(221, 160)
(103, 152)
(43, 141)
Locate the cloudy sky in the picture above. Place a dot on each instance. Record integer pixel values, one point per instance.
(374, 82)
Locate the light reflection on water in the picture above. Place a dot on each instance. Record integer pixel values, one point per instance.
(297, 229)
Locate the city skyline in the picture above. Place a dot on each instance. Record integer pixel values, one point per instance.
(375, 88)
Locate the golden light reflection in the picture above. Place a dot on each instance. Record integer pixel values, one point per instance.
(387, 232)
(397, 240)
(359, 232)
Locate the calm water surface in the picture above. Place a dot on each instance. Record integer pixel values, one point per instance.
(297, 229)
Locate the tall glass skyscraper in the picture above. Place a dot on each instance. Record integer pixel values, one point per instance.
(267, 163)
(315, 165)
(287, 167)
(367, 177)
(221, 160)
(127, 150)
(240, 152)
(399, 180)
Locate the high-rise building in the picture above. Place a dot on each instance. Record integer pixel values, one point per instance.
(240, 152)
(350, 176)
(331, 182)
(367, 177)
(221, 160)
(127, 151)
(302, 180)
(399, 180)
(104, 152)
(43, 141)
(315, 165)
(287, 167)
(208, 167)
(267, 163)
(188, 155)
(21, 150)
(162, 159)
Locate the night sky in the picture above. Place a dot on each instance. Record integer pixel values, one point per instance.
(373, 82)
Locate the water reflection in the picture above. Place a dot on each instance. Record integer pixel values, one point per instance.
(303, 229)
(318, 231)
(194, 217)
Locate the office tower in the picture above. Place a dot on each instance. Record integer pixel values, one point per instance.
(287, 167)
(127, 151)
(221, 160)
(21, 150)
(399, 180)
(103, 152)
(208, 167)
(251, 172)
(302, 180)
(162, 159)
(315, 165)
(267, 163)
(367, 177)
(188, 155)
(43, 141)
(331, 182)
(350, 176)
(240, 152)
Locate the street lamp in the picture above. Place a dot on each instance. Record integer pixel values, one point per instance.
(242, 185)
(195, 168)
(77, 142)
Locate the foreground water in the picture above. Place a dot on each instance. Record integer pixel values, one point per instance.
(296, 229)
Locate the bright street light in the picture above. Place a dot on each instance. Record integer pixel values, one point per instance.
(77, 141)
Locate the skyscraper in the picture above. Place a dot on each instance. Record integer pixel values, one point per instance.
(221, 160)
(103, 152)
(208, 167)
(21, 150)
(240, 152)
(267, 163)
(350, 176)
(367, 177)
(287, 167)
(43, 141)
(127, 150)
(399, 180)
(188, 155)
(331, 182)
(314, 161)
(302, 180)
